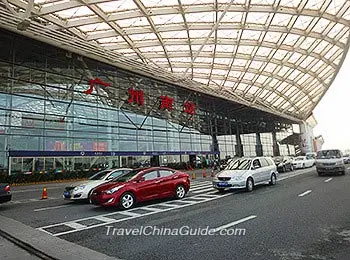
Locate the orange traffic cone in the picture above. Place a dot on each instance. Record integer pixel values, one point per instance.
(44, 195)
(193, 176)
(204, 174)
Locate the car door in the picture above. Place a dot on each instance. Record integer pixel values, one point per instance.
(149, 187)
(265, 169)
(167, 182)
(257, 170)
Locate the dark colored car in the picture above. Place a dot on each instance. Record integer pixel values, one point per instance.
(141, 185)
(5, 193)
(283, 164)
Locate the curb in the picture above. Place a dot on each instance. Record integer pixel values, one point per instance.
(44, 245)
(26, 246)
(47, 182)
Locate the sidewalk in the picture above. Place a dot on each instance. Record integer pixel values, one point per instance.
(33, 244)
(10, 251)
(198, 173)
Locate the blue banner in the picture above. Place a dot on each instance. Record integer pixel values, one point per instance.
(19, 153)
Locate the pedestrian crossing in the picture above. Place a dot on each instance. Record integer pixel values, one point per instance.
(200, 192)
(201, 186)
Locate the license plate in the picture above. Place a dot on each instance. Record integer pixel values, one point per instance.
(66, 194)
(223, 183)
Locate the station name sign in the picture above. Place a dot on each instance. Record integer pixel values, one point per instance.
(136, 96)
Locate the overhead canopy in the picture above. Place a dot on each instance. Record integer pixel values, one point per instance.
(279, 56)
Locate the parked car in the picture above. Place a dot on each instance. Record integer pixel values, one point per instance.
(330, 161)
(346, 158)
(5, 193)
(140, 185)
(302, 162)
(283, 163)
(246, 173)
(82, 189)
(225, 162)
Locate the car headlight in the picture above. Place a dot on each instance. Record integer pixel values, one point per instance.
(113, 190)
(80, 187)
(237, 178)
(339, 163)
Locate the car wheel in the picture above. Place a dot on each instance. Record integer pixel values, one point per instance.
(89, 194)
(249, 184)
(343, 173)
(291, 168)
(273, 179)
(180, 192)
(303, 166)
(319, 173)
(127, 200)
(221, 190)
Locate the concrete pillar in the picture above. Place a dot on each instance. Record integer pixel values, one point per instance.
(239, 146)
(275, 147)
(306, 138)
(258, 146)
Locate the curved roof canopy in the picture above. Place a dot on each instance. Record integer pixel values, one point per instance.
(280, 56)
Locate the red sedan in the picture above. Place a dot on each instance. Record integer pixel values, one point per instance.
(141, 185)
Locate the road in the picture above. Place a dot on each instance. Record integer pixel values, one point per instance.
(302, 217)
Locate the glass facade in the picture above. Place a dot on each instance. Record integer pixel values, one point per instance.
(46, 112)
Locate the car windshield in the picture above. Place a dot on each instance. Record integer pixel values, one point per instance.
(100, 175)
(128, 176)
(239, 164)
(328, 154)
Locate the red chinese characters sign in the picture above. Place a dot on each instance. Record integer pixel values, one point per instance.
(136, 96)
(190, 108)
(166, 103)
(96, 81)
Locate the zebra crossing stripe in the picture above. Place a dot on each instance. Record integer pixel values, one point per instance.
(75, 226)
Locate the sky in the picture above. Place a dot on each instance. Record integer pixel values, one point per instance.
(333, 111)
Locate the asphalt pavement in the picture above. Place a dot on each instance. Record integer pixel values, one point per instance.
(304, 216)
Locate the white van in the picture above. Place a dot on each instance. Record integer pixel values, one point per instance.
(330, 161)
(246, 172)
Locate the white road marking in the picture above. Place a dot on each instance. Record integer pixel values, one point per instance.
(200, 184)
(207, 195)
(104, 219)
(75, 225)
(328, 180)
(304, 193)
(55, 207)
(199, 191)
(234, 223)
(151, 209)
(201, 188)
(128, 215)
